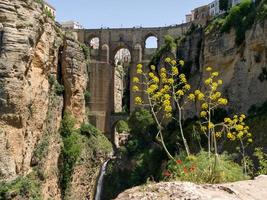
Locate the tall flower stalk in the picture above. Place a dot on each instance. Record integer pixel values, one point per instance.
(165, 90)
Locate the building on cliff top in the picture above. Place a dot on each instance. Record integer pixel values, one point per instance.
(202, 14)
(71, 25)
(199, 15)
(50, 8)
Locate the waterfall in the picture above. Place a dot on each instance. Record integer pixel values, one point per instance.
(100, 181)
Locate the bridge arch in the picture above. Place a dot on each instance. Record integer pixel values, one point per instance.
(118, 135)
(93, 41)
(116, 48)
(121, 80)
(151, 37)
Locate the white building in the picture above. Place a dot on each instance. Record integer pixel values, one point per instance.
(215, 8)
(50, 8)
(71, 25)
(188, 18)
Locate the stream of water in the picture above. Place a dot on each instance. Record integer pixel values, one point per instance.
(100, 181)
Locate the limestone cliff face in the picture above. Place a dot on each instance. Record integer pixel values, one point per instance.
(35, 58)
(240, 66)
(74, 74)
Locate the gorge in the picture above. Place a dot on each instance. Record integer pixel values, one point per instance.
(59, 109)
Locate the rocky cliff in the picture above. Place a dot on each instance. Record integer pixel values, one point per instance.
(43, 73)
(242, 67)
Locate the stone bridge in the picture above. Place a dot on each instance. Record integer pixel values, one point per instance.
(102, 64)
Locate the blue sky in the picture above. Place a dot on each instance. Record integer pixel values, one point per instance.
(124, 13)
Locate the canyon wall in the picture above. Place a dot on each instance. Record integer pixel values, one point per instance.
(242, 67)
(43, 73)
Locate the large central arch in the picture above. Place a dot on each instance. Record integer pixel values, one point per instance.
(122, 64)
(101, 68)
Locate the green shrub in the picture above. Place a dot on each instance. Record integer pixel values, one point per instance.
(144, 164)
(196, 169)
(86, 50)
(59, 89)
(39, 1)
(67, 125)
(242, 17)
(71, 149)
(51, 79)
(42, 148)
(122, 126)
(87, 96)
(262, 11)
(95, 139)
(26, 187)
(140, 121)
(88, 129)
(48, 14)
(169, 45)
(215, 25)
(262, 160)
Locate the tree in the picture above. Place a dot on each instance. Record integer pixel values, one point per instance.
(140, 121)
(224, 4)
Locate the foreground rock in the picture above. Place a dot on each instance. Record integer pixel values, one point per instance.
(243, 190)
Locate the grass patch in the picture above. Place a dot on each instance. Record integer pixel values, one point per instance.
(196, 169)
(27, 187)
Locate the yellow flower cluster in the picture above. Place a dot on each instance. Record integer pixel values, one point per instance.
(237, 128)
(175, 71)
(152, 88)
(138, 100)
(136, 80)
(139, 69)
(199, 95)
(167, 60)
(135, 88)
(191, 97)
(181, 62)
(160, 87)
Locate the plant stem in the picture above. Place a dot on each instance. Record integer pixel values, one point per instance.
(182, 132)
(244, 158)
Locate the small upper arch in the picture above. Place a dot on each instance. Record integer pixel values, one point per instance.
(93, 42)
(151, 41)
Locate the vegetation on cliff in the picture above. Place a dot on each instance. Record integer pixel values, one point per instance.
(138, 161)
(27, 187)
(87, 139)
(240, 18)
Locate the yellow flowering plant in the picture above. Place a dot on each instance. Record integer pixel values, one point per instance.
(165, 89)
(168, 89)
(210, 100)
